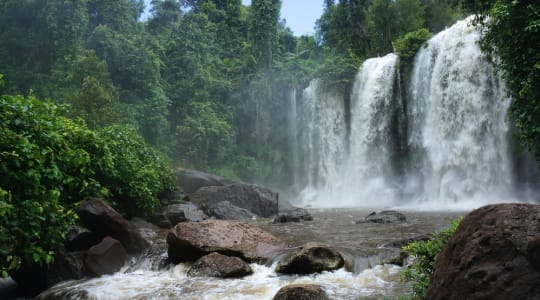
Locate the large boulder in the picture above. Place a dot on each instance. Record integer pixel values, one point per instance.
(225, 210)
(192, 240)
(257, 199)
(221, 266)
(494, 254)
(191, 180)
(310, 258)
(301, 292)
(102, 219)
(106, 257)
(293, 215)
(384, 217)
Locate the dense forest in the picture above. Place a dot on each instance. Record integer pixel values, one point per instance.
(203, 82)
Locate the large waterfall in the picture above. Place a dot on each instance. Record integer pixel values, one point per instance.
(444, 145)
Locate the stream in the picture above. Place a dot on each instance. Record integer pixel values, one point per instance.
(362, 278)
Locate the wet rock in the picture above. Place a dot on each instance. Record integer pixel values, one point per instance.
(106, 257)
(257, 199)
(301, 292)
(310, 258)
(184, 211)
(294, 215)
(192, 240)
(403, 242)
(218, 265)
(225, 210)
(384, 217)
(31, 280)
(160, 219)
(102, 219)
(191, 180)
(492, 255)
(80, 239)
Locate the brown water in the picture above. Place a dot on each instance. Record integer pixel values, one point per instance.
(336, 227)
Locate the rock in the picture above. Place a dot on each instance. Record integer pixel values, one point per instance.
(294, 215)
(102, 219)
(191, 180)
(188, 210)
(218, 265)
(403, 242)
(31, 280)
(492, 255)
(160, 219)
(106, 257)
(301, 292)
(225, 210)
(80, 239)
(192, 240)
(259, 200)
(310, 258)
(384, 217)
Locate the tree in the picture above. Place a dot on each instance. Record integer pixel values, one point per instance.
(264, 19)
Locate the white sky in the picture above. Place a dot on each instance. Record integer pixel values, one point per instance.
(300, 14)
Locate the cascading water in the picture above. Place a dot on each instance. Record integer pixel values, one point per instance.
(322, 136)
(450, 148)
(458, 126)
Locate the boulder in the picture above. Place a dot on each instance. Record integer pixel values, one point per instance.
(310, 258)
(191, 180)
(192, 240)
(301, 292)
(257, 199)
(384, 217)
(225, 210)
(160, 219)
(218, 265)
(184, 211)
(106, 257)
(80, 239)
(492, 255)
(294, 215)
(33, 279)
(102, 219)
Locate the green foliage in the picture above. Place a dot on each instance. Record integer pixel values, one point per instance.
(138, 172)
(512, 38)
(406, 46)
(49, 163)
(424, 254)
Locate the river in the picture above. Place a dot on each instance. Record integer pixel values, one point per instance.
(361, 244)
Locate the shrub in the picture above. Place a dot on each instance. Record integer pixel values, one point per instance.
(424, 254)
(139, 172)
(406, 46)
(48, 163)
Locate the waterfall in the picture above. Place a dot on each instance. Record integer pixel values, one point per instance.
(445, 145)
(458, 107)
(322, 137)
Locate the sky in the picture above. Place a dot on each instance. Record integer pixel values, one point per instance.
(299, 14)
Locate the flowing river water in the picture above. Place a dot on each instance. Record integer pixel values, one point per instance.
(362, 278)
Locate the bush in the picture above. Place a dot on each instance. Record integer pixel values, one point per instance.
(48, 163)
(138, 174)
(406, 46)
(424, 254)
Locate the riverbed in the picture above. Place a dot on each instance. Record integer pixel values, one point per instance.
(361, 244)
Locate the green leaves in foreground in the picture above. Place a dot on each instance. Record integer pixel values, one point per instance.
(424, 254)
(48, 163)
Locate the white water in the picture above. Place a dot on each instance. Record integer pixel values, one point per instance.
(458, 115)
(456, 139)
(263, 284)
(322, 136)
(364, 172)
